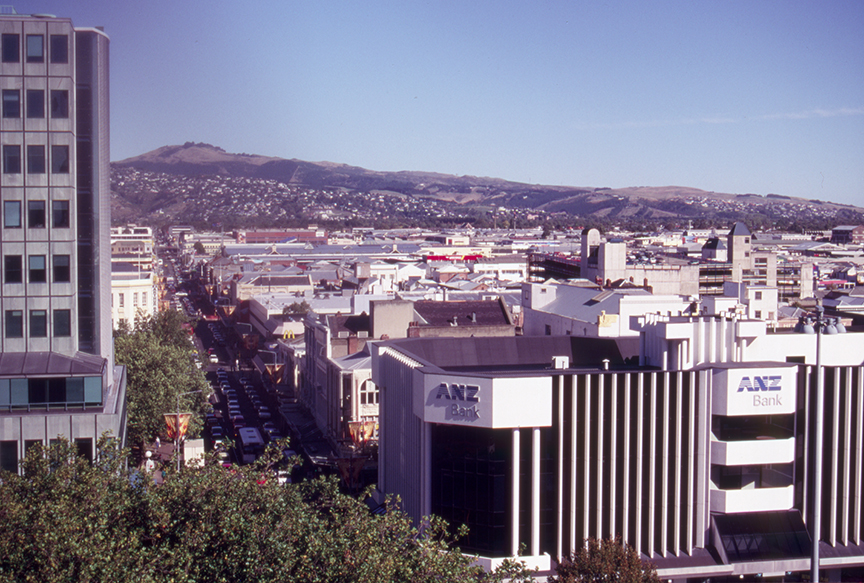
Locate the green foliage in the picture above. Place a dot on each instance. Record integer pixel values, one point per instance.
(68, 520)
(199, 248)
(604, 560)
(159, 370)
(297, 308)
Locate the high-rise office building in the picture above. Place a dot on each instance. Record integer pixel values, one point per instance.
(57, 373)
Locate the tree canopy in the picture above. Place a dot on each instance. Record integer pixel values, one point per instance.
(69, 520)
(605, 560)
(159, 371)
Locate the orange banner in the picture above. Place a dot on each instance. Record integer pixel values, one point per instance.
(177, 424)
(361, 431)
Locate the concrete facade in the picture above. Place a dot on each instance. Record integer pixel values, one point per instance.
(56, 369)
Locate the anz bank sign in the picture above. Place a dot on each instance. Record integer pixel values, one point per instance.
(754, 391)
(485, 401)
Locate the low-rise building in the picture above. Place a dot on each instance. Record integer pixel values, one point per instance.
(133, 294)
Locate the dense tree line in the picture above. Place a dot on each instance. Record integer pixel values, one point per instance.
(66, 519)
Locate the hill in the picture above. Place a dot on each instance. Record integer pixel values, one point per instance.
(180, 183)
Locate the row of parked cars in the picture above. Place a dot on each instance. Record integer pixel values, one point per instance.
(240, 405)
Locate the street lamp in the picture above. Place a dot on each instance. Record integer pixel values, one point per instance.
(177, 426)
(817, 460)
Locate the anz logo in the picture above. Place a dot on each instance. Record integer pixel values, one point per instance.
(456, 392)
(759, 384)
(771, 383)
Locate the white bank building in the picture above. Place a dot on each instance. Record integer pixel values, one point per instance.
(703, 461)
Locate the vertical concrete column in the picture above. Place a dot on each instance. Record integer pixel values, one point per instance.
(514, 501)
(535, 492)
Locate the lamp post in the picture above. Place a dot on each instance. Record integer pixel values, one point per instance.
(817, 457)
(177, 427)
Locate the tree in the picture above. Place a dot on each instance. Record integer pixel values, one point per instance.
(68, 520)
(299, 308)
(199, 249)
(159, 371)
(604, 560)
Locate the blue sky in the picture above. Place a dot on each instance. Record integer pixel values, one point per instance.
(739, 97)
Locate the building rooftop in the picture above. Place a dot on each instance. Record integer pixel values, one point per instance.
(18, 364)
(462, 313)
(518, 353)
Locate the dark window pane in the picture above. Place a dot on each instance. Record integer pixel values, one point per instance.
(60, 159)
(61, 269)
(36, 214)
(59, 48)
(13, 268)
(11, 49)
(37, 389)
(35, 103)
(60, 210)
(38, 324)
(14, 324)
(9, 451)
(59, 104)
(84, 445)
(62, 323)
(36, 162)
(11, 159)
(56, 390)
(11, 103)
(35, 48)
(12, 214)
(38, 272)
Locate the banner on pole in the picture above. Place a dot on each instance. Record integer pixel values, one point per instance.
(177, 424)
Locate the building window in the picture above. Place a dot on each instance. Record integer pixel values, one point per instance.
(36, 214)
(9, 450)
(36, 266)
(38, 323)
(35, 103)
(59, 48)
(59, 104)
(758, 295)
(758, 314)
(13, 269)
(10, 49)
(62, 322)
(60, 159)
(12, 214)
(14, 322)
(11, 159)
(144, 299)
(35, 159)
(60, 214)
(122, 297)
(135, 299)
(35, 48)
(368, 393)
(11, 103)
(60, 265)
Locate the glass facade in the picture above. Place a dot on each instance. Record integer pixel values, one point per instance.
(50, 392)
